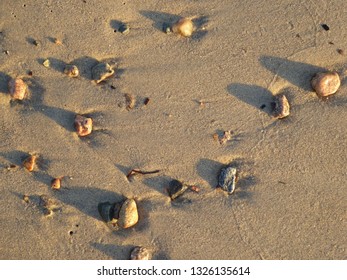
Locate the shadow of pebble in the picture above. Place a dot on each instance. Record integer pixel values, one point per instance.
(158, 183)
(85, 65)
(159, 18)
(297, 73)
(57, 64)
(116, 252)
(256, 96)
(115, 24)
(4, 79)
(208, 170)
(62, 117)
(86, 199)
(15, 157)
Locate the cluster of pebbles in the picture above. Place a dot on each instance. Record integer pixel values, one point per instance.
(124, 214)
(323, 83)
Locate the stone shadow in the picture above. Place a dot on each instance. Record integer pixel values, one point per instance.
(116, 252)
(4, 79)
(160, 20)
(256, 96)
(297, 73)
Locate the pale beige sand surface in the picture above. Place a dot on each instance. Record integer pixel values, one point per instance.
(290, 201)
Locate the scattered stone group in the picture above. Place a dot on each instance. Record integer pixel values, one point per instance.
(124, 214)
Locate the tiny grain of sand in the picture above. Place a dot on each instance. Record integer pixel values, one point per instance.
(290, 200)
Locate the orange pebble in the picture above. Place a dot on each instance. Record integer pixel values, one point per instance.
(17, 88)
(83, 125)
(55, 184)
(30, 162)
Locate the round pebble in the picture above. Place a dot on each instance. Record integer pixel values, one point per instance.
(30, 162)
(128, 215)
(71, 71)
(101, 72)
(184, 27)
(83, 125)
(326, 83)
(17, 88)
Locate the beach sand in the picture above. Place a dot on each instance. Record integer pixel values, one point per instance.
(290, 200)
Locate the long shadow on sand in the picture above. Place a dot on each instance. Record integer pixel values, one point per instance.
(116, 252)
(87, 199)
(256, 96)
(4, 79)
(297, 73)
(160, 19)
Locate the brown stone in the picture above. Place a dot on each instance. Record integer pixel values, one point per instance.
(83, 125)
(326, 83)
(128, 215)
(282, 107)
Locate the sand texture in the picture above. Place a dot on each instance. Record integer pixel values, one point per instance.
(166, 108)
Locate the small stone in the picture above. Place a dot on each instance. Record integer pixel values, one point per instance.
(140, 253)
(326, 83)
(167, 28)
(55, 184)
(176, 188)
(46, 63)
(325, 27)
(227, 179)
(130, 101)
(17, 88)
(36, 43)
(124, 28)
(58, 42)
(26, 198)
(101, 72)
(147, 100)
(282, 108)
(83, 125)
(71, 70)
(30, 162)
(128, 215)
(227, 136)
(106, 211)
(340, 51)
(184, 27)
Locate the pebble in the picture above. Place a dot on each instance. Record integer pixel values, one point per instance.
(176, 188)
(106, 211)
(46, 63)
(326, 83)
(227, 179)
(128, 215)
(124, 28)
(184, 27)
(227, 136)
(167, 28)
(56, 183)
(140, 253)
(30, 162)
(101, 72)
(130, 101)
(83, 125)
(18, 88)
(282, 108)
(71, 70)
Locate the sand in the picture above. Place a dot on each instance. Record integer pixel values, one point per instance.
(290, 201)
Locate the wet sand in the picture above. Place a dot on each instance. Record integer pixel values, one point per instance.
(290, 200)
